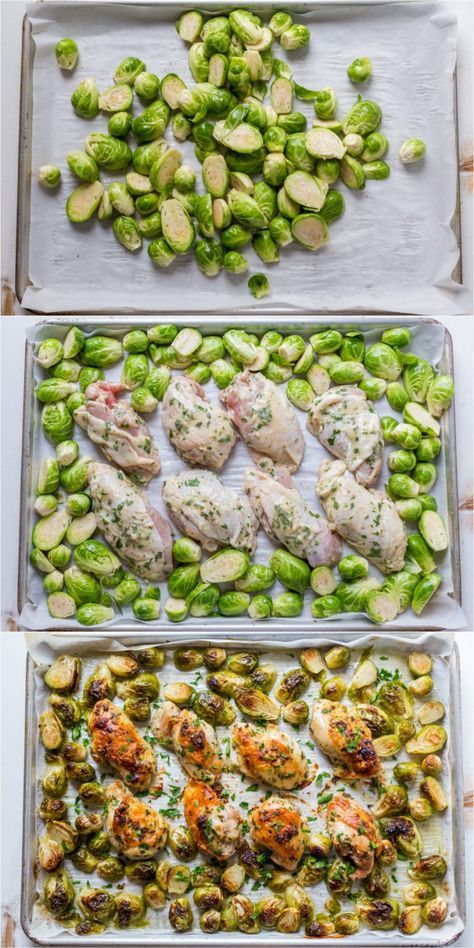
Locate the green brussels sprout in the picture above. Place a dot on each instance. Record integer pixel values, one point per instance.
(342, 373)
(352, 173)
(260, 608)
(415, 414)
(58, 893)
(135, 370)
(424, 591)
(325, 104)
(147, 86)
(328, 341)
(360, 70)
(67, 452)
(82, 587)
(409, 509)
(413, 149)
(101, 352)
(75, 401)
(233, 603)
(428, 449)
(258, 285)
(145, 155)
(110, 153)
(183, 580)
(376, 170)
(41, 562)
(353, 595)
(48, 476)
(120, 198)
(333, 689)
(50, 530)
(280, 22)
(127, 233)
(146, 609)
(68, 370)
(400, 461)
(49, 353)
(53, 582)
(433, 531)
(292, 571)
(54, 390)
(75, 477)
(67, 53)
(439, 395)
(295, 37)
(57, 422)
(83, 166)
(160, 253)
(328, 169)
(142, 400)
(325, 606)
(119, 124)
(59, 556)
(110, 868)
(147, 205)
(397, 396)
(94, 557)
(425, 476)
(354, 144)
(234, 262)
(417, 379)
(373, 388)
(265, 247)
(128, 70)
(209, 256)
(287, 605)
(85, 99)
(116, 98)
(382, 361)
(420, 809)
(189, 26)
(333, 206)
(364, 118)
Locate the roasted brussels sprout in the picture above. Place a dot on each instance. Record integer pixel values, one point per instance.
(380, 915)
(58, 893)
(180, 915)
(50, 853)
(63, 675)
(402, 832)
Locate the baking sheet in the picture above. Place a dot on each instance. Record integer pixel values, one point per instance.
(442, 833)
(393, 251)
(430, 339)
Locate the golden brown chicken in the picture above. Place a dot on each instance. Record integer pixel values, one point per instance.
(269, 755)
(353, 833)
(276, 825)
(193, 741)
(134, 828)
(116, 743)
(341, 734)
(214, 824)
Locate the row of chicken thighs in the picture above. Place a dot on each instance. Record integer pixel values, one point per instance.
(212, 513)
(265, 754)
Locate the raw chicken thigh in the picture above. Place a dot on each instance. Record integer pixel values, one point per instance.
(135, 530)
(353, 833)
(120, 433)
(287, 519)
(345, 738)
(265, 419)
(199, 432)
(211, 513)
(346, 423)
(276, 825)
(367, 519)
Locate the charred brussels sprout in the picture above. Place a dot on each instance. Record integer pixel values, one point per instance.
(180, 915)
(402, 832)
(292, 685)
(58, 893)
(380, 915)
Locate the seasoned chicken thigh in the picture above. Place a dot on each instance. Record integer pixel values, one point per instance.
(345, 738)
(193, 741)
(276, 825)
(346, 423)
(135, 530)
(286, 518)
(116, 743)
(353, 833)
(270, 756)
(120, 433)
(211, 513)
(214, 824)
(134, 828)
(199, 432)
(265, 419)
(367, 519)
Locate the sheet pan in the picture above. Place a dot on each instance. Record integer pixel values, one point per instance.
(430, 339)
(395, 250)
(446, 833)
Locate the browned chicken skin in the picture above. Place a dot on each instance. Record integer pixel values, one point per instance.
(353, 833)
(192, 740)
(214, 824)
(269, 755)
(134, 828)
(276, 825)
(345, 738)
(116, 743)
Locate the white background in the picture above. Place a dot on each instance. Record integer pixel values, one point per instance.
(13, 651)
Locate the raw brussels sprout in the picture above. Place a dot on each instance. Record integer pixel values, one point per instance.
(66, 453)
(353, 595)
(413, 149)
(101, 352)
(58, 893)
(354, 144)
(116, 98)
(143, 401)
(300, 394)
(433, 531)
(295, 37)
(287, 605)
(59, 556)
(85, 99)
(292, 571)
(49, 353)
(48, 476)
(53, 390)
(94, 557)
(127, 233)
(260, 608)
(128, 70)
(44, 505)
(364, 118)
(119, 124)
(373, 388)
(209, 256)
(160, 252)
(110, 153)
(183, 580)
(352, 173)
(400, 461)
(81, 528)
(376, 170)
(146, 608)
(322, 580)
(439, 395)
(49, 176)
(49, 532)
(233, 603)
(67, 53)
(258, 285)
(57, 422)
(147, 86)
(360, 70)
(82, 587)
(94, 614)
(40, 561)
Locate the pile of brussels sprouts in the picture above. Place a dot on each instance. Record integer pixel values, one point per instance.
(95, 584)
(252, 893)
(268, 180)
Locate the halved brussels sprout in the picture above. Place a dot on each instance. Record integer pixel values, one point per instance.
(256, 704)
(58, 893)
(67, 53)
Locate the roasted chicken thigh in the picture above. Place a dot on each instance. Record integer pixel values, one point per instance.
(214, 824)
(116, 743)
(193, 741)
(269, 755)
(345, 738)
(120, 433)
(353, 833)
(276, 825)
(134, 828)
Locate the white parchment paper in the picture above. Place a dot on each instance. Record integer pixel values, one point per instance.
(393, 251)
(438, 833)
(441, 613)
